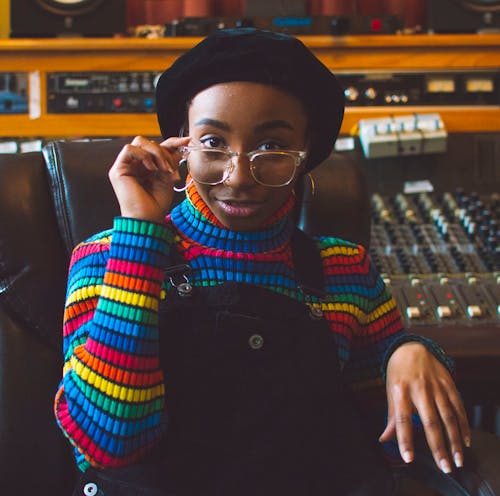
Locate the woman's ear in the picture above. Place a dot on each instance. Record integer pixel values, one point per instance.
(303, 165)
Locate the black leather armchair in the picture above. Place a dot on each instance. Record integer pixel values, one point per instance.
(51, 201)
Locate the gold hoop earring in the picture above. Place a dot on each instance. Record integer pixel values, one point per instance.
(183, 162)
(185, 187)
(313, 184)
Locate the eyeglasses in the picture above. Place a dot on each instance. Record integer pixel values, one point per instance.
(213, 166)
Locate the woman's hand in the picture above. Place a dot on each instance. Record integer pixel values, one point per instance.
(417, 381)
(143, 176)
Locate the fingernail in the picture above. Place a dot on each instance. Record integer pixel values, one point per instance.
(445, 466)
(459, 461)
(467, 442)
(407, 456)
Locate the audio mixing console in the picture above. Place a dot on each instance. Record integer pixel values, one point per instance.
(440, 254)
(438, 249)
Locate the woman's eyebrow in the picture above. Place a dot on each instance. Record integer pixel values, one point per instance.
(206, 121)
(259, 128)
(268, 125)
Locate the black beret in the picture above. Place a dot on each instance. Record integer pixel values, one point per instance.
(248, 54)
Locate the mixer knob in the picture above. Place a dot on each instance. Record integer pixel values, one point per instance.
(471, 209)
(441, 220)
(450, 201)
(485, 215)
(122, 85)
(351, 94)
(72, 103)
(134, 85)
(443, 228)
(410, 214)
(493, 242)
(420, 237)
(147, 84)
(385, 214)
(370, 93)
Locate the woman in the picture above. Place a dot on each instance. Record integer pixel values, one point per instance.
(198, 358)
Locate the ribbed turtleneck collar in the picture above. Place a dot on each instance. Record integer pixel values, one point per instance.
(195, 220)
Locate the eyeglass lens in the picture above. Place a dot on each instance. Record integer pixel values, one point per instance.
(270, 169)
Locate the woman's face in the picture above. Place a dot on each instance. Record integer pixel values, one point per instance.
(243, 117)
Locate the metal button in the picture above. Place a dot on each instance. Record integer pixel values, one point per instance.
(184, 289)
(413, 312)
(90, 489)
(256, 341)
(444, 311)
(474, 311)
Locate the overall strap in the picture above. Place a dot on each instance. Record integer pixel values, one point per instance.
(308, 264)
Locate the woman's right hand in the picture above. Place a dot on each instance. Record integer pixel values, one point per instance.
(143, 176)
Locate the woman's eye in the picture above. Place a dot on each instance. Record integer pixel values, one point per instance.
(271, 145)
(212, 142)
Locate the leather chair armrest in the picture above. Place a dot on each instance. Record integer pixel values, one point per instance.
(35, 458)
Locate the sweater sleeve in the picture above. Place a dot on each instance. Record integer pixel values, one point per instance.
(371, 324)
(110, 402)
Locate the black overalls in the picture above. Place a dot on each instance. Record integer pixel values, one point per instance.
(255, 404)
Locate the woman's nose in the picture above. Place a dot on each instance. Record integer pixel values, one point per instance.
(240, 174)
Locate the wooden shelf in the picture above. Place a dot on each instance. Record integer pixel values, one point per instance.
(343, 54)
(432, 41)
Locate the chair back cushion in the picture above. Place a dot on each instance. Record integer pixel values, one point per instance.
(33, 262)
(334, 201)
(34, 456)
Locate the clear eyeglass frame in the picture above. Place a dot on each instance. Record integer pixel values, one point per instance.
(297, 155)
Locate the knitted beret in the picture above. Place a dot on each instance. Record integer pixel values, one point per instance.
(248, 54)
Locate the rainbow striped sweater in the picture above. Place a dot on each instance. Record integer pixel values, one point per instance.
(110, 403)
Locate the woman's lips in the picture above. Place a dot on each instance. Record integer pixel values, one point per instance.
(239, 208)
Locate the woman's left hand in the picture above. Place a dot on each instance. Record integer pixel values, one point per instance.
(418, 382)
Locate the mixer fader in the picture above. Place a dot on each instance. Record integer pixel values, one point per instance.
(440, 255)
